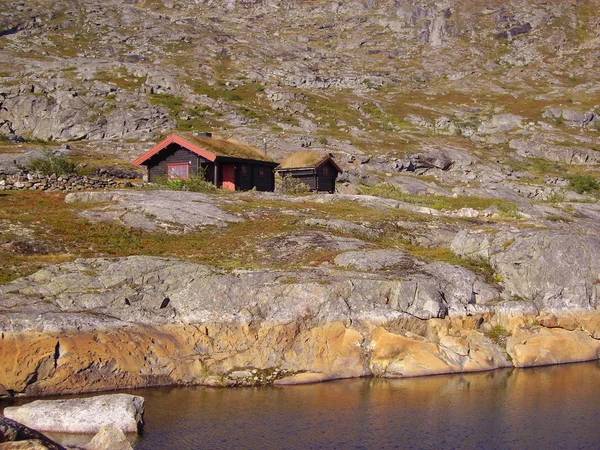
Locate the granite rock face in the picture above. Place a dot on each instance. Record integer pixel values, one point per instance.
(556, 270)
(141, 321)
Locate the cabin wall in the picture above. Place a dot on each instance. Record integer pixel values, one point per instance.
(326, 175)
(243, 176)
(263, 178)
(320, 180)
(252, 175)
(306, 176)
(173, 154)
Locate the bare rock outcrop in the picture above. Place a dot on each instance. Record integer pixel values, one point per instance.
(141, 321)
(172, 211)
(553, 269)
(60, 113)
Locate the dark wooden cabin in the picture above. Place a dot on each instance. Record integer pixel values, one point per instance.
(226, 163)
(318, 171)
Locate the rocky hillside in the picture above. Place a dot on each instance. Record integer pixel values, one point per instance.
(464, 235)
(491, 85)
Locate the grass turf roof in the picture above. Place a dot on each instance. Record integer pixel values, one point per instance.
(301, 159)
(225, 147)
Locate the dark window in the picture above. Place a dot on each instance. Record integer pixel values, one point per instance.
(325, 170)
(244, 170)
(178, 171)
(262, 172)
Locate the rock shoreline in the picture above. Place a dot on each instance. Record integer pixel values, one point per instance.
(105, 324)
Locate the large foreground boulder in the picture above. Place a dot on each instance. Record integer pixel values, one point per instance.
(81, 415)
(16, 436)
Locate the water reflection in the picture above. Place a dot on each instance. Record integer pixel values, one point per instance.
(552, 407)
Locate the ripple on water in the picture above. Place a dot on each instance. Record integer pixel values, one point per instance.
(554, 407)
(549, 407)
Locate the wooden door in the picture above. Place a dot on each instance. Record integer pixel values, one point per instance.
(228, 177)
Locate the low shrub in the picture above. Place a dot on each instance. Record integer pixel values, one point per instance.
(584, 184)
(293, 186)
(51, 164)
(195, 183)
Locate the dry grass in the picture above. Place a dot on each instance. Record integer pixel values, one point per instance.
(55, 227)
(225, 147)
(64, 236)
(301, 159)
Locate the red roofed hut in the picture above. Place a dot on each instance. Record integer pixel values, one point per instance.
(226, 163)
(318, 171)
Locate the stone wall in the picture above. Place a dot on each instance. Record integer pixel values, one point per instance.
(59, 183)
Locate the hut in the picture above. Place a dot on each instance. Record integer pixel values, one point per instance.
(318, 171)
(226, 163)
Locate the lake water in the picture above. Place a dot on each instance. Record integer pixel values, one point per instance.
(551, 408)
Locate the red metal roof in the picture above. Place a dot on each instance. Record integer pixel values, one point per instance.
(174, 139)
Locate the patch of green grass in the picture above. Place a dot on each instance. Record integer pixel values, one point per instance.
(508, 210)
(169, 101)
(437, 202)
(121, 79)
(584, 184)
(499, 335)
(52, 220)
(196, 124)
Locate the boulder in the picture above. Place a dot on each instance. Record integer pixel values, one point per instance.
(500, 123)
(110, 437)
(81, 415)
(544, 346)
(16, 436)
(572, 117)
(432, 159)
